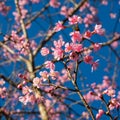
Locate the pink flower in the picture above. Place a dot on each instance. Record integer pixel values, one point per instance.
(100, 113)
(110, 92)
(99, 30)
(88, 20)
(59, 43)
(68, 47)
(87, 34)
(44, 51)
(104, 2)
(74, 56)
(33, 44)
(3, 8)
(44, 75)
(2, 82)
(58, 53)
(74, 20)
(59, 26)
(66, 11)
(84, 6)
(54, 3)
(93, 10)
(77, 47)
(115, 44)
(35, 1)
(49, 65)
(85, 115)
(88, 59)
(114, 103)
(76, 36)
(94, 65)
(23, 100)
(96, 46)
(54, 74)
(26, 90)
(113, 15)
(36, 82)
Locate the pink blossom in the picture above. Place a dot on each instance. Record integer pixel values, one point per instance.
(87, 34)
(113, 15)
(106, 82)
(88, 20)
(84, 6)
(23, 2)
(114, 103)
(74, 56)
(44, 75)
(74, 20)
(68, 47)
(54, 3)
(47, 103)
(104, 2)
(96, 46)
(2, 82)
(88, 59)
(44, 51)
(32, 99)
(76, 36)
(86, 51)
(110, 92)
(54, 74)
(66, 11)
(35, 1)
(70, 66)
(85, 115)
(23, 100)
(3, 92)
(115, 44)
(93, 10)
(58, 53)
(49, 65)
(33, 44)
(26, 90)
(59, 43)
(36, 82)
(99, 115)
(23, 14)
(77, 47)
(99, 30)
(4, 9)
(59, 26)
(94, 65)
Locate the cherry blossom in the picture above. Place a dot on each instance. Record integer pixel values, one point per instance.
(76, 36)
(95, 65)
(54, 3)
(59, 26)
(66, 11)
(36, 82)
(99, 115)
(99, 30)
(49, 65)
(57, 53)
(44, 75)
(68, 47)
(96, 46)
(44, 51)
(77, 47)
(75, 20)
(88, 59)
(87, 34)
